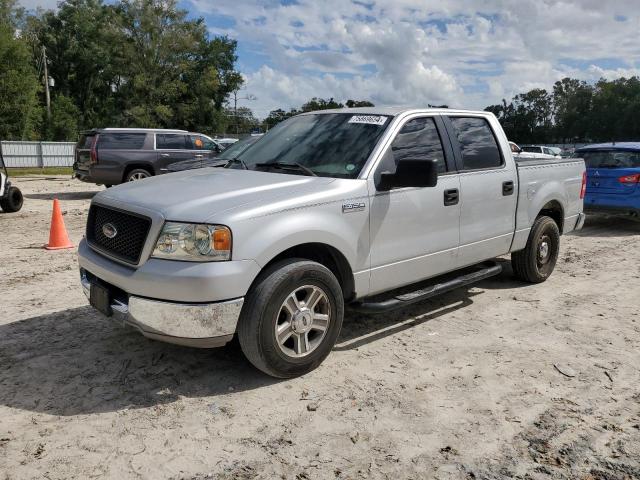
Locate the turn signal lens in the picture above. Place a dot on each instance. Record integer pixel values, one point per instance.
(222, 239)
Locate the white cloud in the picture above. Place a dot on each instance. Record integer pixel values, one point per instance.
(397, 52)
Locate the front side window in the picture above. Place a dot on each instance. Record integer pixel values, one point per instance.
(121, 141)
(477, 143)
(171, 141)
(329, 144)
(200, 142)
(418, 139)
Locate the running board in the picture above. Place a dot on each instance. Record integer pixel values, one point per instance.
(487, 269)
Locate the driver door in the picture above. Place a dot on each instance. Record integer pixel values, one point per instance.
(415, 232)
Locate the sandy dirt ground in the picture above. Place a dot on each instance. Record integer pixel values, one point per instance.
(501, 380)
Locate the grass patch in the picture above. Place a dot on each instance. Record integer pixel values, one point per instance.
(22, 172)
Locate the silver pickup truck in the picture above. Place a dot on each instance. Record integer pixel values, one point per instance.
(330, 210)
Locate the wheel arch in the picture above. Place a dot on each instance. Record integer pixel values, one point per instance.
(326, 255)
(554, 210)
(133, 165)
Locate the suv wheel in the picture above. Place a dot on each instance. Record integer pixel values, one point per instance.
(137, 174)
(291, 318)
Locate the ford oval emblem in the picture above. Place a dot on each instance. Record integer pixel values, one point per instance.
(109, 230)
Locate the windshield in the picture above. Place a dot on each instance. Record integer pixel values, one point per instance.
(610, 159)
(328, 144)
(237, 148)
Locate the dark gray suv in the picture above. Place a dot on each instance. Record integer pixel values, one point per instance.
(110, 156)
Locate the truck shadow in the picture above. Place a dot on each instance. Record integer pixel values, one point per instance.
(77, 362)
(359, 329)
(62, 195)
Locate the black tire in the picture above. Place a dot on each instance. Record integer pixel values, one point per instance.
(264, 309)
(536, 262)
(12, 201)
(137, 174)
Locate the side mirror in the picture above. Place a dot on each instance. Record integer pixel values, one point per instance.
(410, 172)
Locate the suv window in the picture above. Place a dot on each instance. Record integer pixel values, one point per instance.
(610, 159)
(121, 141)
(202, 143)
(418, 139)
(85, 141)
(172, 141)
(477, 143)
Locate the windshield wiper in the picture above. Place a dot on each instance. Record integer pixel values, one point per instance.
(233, 160)
(289, 166)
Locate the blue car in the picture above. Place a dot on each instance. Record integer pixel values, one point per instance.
(613, 177)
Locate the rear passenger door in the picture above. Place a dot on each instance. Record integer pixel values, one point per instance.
(488, 189)
(414, 231)
(175, 152)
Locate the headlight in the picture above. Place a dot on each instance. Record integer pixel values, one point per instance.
(195, 242)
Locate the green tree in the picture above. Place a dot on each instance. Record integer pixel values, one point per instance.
(358, 103)
(320, 104)
(63, 125)
(19, 85)
(572, 101)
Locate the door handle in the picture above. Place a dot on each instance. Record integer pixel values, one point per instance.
(507, 188)
(451, 197)
(199, 156)
(164, 154)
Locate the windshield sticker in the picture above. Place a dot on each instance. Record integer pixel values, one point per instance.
(369, 119)
(350, 167)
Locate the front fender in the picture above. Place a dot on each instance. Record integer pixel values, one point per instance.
(264, 238)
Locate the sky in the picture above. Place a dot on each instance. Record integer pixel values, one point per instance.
(463, 53)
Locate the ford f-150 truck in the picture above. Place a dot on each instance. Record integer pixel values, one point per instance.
(349, 208)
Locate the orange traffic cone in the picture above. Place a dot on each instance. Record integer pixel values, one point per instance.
(58, 238)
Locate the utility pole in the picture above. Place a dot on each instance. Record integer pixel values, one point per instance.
(46, 83)
(235, 106)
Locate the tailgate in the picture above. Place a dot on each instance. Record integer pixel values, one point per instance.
(612, 172)
(611, 180)
(83, 151)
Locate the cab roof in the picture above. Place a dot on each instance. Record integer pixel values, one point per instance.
(395, 111)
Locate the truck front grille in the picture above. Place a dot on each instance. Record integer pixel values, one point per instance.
(127, 233)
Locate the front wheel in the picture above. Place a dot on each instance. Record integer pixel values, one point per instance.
(291, 318)
(536, 262)
(12, 202)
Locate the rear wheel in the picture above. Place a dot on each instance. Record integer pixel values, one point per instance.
(12, 202)
(137, 174)
(536, 262)
(291, 318)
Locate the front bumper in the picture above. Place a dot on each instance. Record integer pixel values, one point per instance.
(201, 325)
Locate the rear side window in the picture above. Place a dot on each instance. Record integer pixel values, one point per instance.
(419, 139)
(172, 141)
(610, 159)
(477, 143)
(121, 141)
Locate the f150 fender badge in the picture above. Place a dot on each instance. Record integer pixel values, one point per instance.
(353, 207)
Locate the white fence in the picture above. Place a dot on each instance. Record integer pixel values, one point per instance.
(37, 154)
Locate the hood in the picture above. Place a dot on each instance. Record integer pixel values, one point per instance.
(198, 195)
